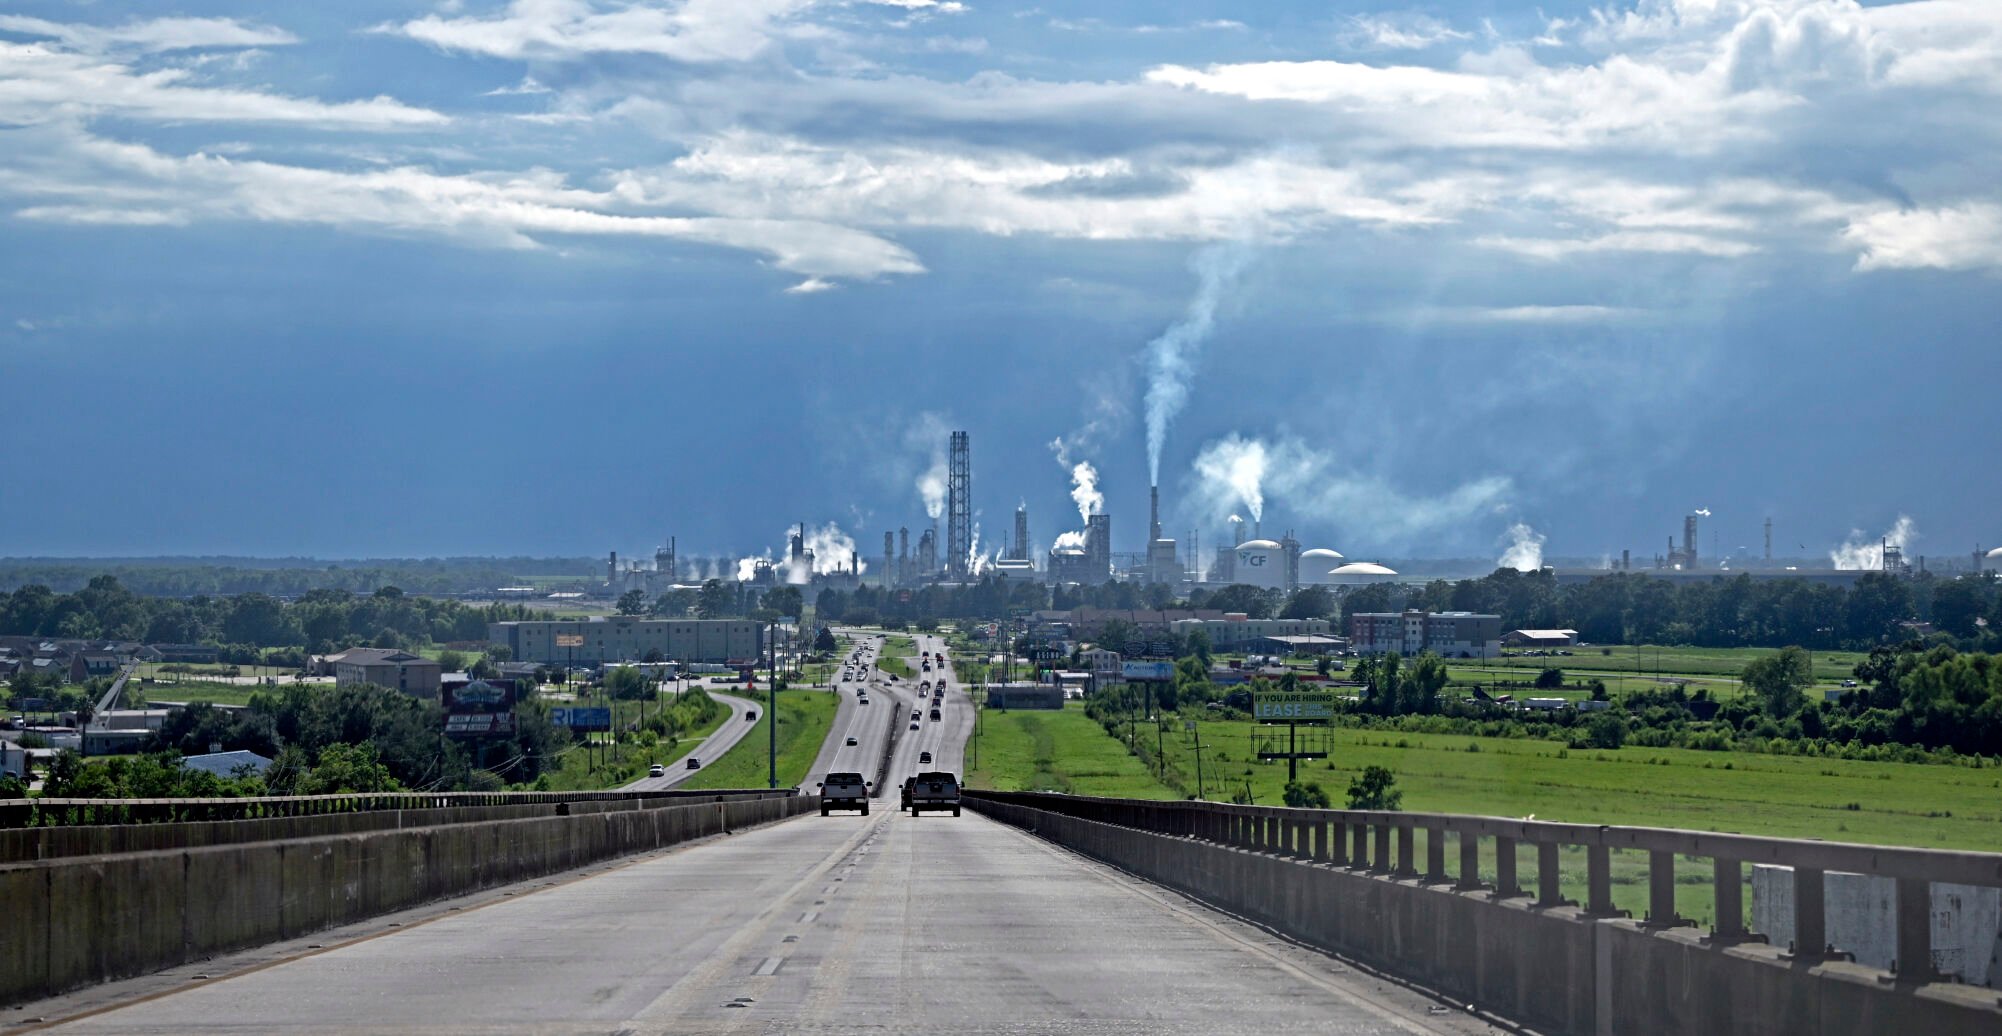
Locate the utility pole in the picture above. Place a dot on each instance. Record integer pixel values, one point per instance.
(1199, 763)
(771, 709)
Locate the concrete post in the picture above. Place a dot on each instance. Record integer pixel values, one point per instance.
(1407, 854)
(1810, 927)
(1913, 963)
(1359, 845)
(1505, 883)
(1470, 860)
(1727, 876)
(1548, 892)
(1661, 889)
(1599, 881)
(1321, 841)
(1382, 862)
(1435, 853)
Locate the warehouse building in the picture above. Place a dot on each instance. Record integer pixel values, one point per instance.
(625, 637)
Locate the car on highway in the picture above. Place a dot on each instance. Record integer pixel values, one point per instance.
(861, 701)
(751, 716)
(852, 742)
(924, 757)
(935, 790)
(915, 714)
(934, 715)
(904, 800)
(694, 763)
(914, 724)
(844, 791)
(656, 770)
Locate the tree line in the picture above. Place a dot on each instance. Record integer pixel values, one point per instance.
(319, 621)
(289, 577)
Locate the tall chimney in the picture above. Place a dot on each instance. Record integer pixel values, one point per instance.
(1153, 513)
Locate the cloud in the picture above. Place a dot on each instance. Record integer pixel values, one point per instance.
(695, 31)
(811, 286)
(1407, 30)
(518, 210)
(1959, 237)
(152, 36)
(528, 86)
(1571, 314)
(39, 83)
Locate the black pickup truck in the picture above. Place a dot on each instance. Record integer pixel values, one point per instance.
(934, 790)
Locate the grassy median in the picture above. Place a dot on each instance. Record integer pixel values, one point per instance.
(804, 719)
(1029, 750)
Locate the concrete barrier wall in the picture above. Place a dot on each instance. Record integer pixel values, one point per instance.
(79, 920)
(1554, 968)
(47, 843)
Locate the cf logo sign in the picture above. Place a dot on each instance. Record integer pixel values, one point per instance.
(1254, 560)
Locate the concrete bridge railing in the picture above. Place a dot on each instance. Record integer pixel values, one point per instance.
(1355, 882)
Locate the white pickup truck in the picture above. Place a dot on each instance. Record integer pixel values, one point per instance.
(844, 791)
(934, 790)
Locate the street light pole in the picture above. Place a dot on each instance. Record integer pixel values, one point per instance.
(771, 709)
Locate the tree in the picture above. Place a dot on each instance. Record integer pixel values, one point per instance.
(714, 600)
(1120, 635)
(1422, 685)
(483, 669)
(1309, 602)
(824, 642)
(344, 769)
(632, 602)
(452, 661)
(626, 683)
(1307, 796)
(1608, 729)
(1375, 788)
(1199, 647)
(1780, 681)
(785, 600)
(674, 603)
(1550, 679)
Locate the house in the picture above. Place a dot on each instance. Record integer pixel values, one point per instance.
(87, 664)
(414, 675)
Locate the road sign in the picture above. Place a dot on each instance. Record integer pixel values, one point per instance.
(1293, 706)
(577, 718)
(569, 640)
(1162, 671)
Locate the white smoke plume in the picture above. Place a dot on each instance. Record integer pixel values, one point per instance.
(1317, 488)
(931, 485)
(1084, 490)
(748, 567)
(1858, 553)
(1524, 552)
(1236, 467)
(831, 549)
(1701, 512)
(1171, 358)
(1068, 539)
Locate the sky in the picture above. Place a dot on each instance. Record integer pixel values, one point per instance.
(564, 276)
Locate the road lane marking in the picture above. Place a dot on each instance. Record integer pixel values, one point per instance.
(770, 966)
(809, 917)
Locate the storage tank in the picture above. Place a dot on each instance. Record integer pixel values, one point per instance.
(1315, 565)
(1359, 573)
(1260, 563)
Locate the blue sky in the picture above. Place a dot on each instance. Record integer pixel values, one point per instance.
(559, 276)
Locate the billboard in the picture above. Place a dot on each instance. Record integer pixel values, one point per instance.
(1293, 706)
(478, 709)
(569, 640)
(582, 718)
(1162, 671)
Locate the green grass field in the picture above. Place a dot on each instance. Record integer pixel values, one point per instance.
(804, 719)
(1058, 751)
(200, 690)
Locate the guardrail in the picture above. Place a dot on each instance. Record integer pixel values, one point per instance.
(1357, 882)
(46, 812)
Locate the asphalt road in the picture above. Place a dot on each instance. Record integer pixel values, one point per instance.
(711, 748)
(886, 923)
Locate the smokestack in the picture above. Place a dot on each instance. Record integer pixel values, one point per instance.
(612, 569)
(1769, 539)
(1626, 560)
(1153, 513)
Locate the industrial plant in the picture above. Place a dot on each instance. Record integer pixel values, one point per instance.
(924, 554)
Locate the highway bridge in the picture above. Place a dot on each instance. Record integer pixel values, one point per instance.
(646, 911)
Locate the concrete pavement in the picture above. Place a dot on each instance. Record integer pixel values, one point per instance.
(885, 923)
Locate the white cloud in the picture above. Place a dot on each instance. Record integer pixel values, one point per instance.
(811, 286)
(1407, 30)
(158, 34)
(1958, 237)
(39, 83)
(1570, 314)
(97, 182)
(528, 86)
(696, 31)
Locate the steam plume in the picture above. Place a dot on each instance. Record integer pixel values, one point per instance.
(1235, 467)
(1171, 357)
(1084, 490)
(1525, 548)
(1860, 553)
